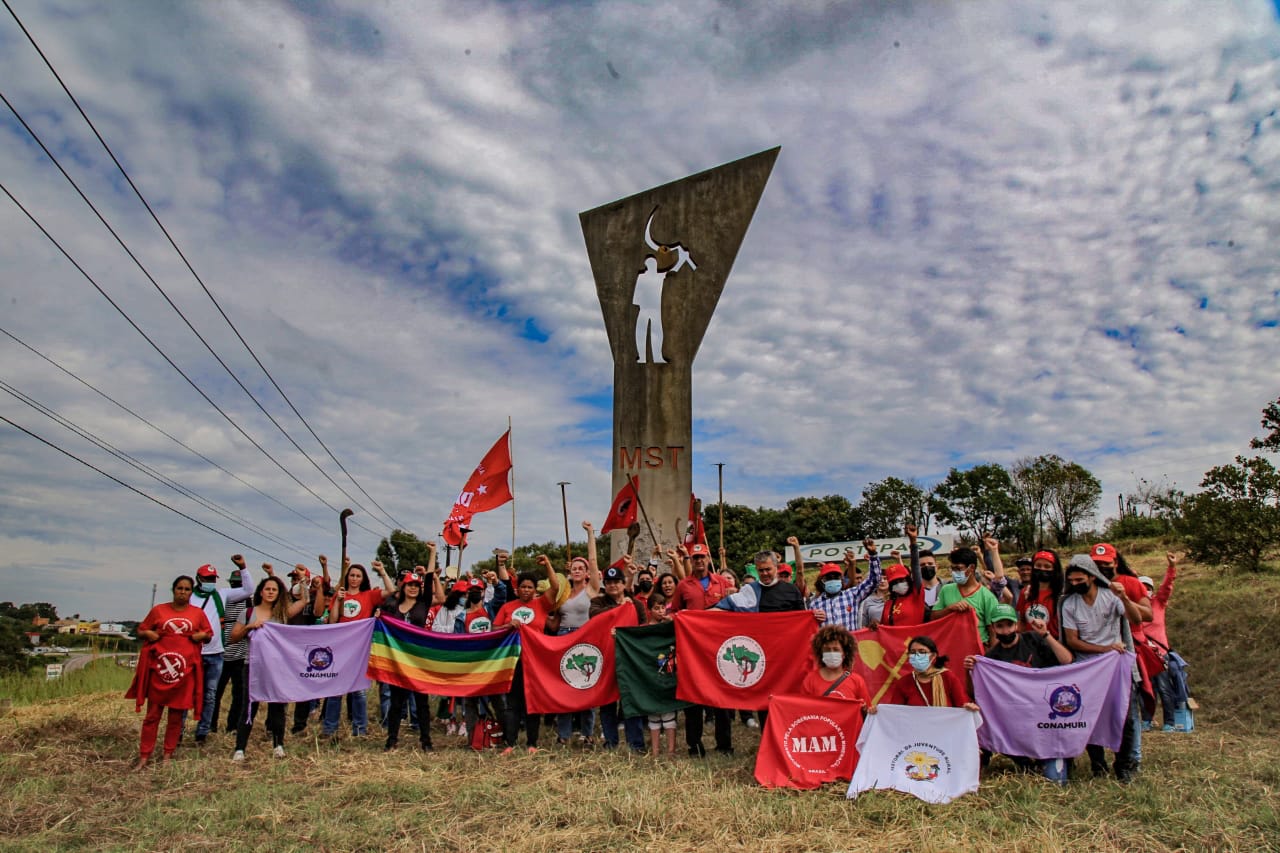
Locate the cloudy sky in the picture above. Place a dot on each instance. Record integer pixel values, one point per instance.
(994, 230)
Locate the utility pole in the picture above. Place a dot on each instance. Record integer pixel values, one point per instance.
(564, 505)
(720, 474)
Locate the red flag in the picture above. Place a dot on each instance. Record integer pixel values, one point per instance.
(575, 671)
(808, 741)
(737, 660)
(882, 651)
(623, 512)
(486, 489)
(695, 533)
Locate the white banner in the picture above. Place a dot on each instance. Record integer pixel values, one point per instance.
(931, 753)
(833, 552)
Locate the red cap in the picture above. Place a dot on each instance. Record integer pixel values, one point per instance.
(830, 569)
(697, 549)
(1104, 552)
(206, 571)
(895, 572)
(411, 578)
(476, 583)
(785, 569)
(460, 585)
(1047, 556)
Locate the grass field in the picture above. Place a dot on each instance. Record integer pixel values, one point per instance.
(64, 768)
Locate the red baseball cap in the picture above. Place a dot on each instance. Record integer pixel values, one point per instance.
(206, 571)
(830, 569)
(697, 549)
(1104, 552)
(460, 585)
(411, 578)
(895, 572)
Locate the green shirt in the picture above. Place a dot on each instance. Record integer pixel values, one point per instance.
(982, 601)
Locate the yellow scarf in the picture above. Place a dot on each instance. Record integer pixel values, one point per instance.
(938, 689)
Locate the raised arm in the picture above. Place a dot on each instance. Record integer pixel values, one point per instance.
(298, 606)
(324, 570)
(593, 567)
(799, 575)
(553, 580)
(991, 556)
(913, 551)
(388, 585)
(676, 557)
(1166, 586)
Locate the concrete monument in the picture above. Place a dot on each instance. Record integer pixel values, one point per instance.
(660, 259)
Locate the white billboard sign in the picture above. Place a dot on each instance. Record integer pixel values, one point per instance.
(833, 552)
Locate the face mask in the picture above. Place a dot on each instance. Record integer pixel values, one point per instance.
(832, 660)
(1080, 588)
(928, 572)
(1043, 577)
(644, 586)
(832, 587)
(961, 578)
(208, 586)
(1109, 572)
(763, 582)
(1007, 639)
(919, 662)
(899, 588)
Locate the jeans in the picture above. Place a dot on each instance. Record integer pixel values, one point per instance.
(564, 724)
(212, 672)
(358, 711)
(633, 727)
(1163, 686)
(233, 675)
(275, 724)
(385, 704)
(693, 721)
(1129, 755)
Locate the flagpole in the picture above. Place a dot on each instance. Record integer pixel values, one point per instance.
(564, 504)
(513, 493)
(643, 514)
(720, 471)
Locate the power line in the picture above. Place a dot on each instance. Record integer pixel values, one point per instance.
(138, 263)
(141, 466)
(197, 277)
(166, 357)
(138, 491)
(158, 429)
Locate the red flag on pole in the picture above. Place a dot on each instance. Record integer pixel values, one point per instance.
(575, 671)
(625, 505)
(696, 532)
(882, 651)
(808, 741)
(486, 489)
(737, 660)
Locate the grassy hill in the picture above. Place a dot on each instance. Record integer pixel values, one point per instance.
(64, 769)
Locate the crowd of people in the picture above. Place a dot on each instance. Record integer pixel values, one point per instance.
(1042, 615)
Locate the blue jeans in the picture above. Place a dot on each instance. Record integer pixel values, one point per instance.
(384, 706)
(359, 714)
(212, 672)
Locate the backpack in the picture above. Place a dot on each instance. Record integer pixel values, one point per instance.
(486, 734)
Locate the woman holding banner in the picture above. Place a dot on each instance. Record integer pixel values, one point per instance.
(355, 599)
(168, 674)
(834, 651)
(408, 605)
(271, 603)
(929, 683)
(584, 585)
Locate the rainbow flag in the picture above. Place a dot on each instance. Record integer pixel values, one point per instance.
(443, 664)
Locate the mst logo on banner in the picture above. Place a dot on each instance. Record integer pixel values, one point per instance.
(738, 660)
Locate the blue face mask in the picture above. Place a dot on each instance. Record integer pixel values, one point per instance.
(207, 587)
(919, 662)
(960, 577)
(832, 587)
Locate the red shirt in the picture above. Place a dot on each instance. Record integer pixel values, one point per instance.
(477, 621)
(689, 594)
(1134, 589)
(854, 688)
(904, 691)
(532, 613)
(906, 609)
(360, 605)
(1045, 606)
(166, 621)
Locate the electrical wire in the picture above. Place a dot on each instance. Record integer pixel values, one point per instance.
(138, 491)
(173, 243)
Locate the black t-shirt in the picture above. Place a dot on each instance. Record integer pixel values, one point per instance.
(1031, 650)
(783, 595)
(417, 614)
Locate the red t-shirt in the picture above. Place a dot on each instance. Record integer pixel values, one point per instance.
(854, 688)
(689, 594)
(1044, 607)
(904, 691)
(906, 609)
(532, 613)
(165, 620)
(477, 621)
(360, 605)
(1134, 589)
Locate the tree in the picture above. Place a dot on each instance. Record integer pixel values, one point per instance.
(1033, 481)
(978, 501)
(887, 506)
(828, 519)
(1271, 423)
(401, 551)
(12, 643)
(1236, 519)
(1074, 498)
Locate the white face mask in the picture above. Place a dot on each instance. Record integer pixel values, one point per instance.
(961, 578)
(832, 660)
(899, 588)
(763, 582)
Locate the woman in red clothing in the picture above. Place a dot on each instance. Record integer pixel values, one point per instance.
(834, 651)
(1039, 600)
(168, 674)
(930, 683)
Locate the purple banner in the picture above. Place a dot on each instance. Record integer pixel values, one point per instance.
(296, 663)
(1053, 712)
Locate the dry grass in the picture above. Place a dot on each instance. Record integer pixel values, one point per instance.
(64, 767)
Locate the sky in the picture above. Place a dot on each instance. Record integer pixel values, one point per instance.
(993, 231)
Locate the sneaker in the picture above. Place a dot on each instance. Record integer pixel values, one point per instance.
(533, 750)
(462, 729)
(752, 724)
(278, 752)
(1146, 725)
(509, 750)
(451, 728)
(1169, 728)
(238, 755)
